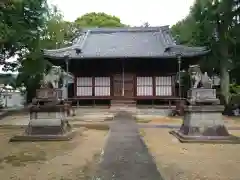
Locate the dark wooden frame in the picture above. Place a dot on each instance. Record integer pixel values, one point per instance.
(135, 97)
(135, 86)
(93, 88)
(172, 85)
(76, 86)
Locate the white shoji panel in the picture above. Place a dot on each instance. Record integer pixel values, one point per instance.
(84, 91)
(144, 91)
(141, 81)
(163, 90)
(102, 81)
(102, 91)
(84, 81)
(163, 80)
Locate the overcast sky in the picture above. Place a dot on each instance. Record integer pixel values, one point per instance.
(131, 12)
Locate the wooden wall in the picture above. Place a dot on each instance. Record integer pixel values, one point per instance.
(144, 87)
(152, 78)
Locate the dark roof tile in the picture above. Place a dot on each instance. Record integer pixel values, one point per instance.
(124, 42)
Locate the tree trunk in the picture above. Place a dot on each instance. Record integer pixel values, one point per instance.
(225, 82)
(224, 57)
(224, 72)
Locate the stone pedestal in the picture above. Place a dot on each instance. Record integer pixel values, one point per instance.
(202, 96)
(203, 123)
(48, 122)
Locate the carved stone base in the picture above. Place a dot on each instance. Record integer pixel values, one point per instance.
(205, 139)
(217, 130)
(46, 130)
(202, 96)
(204, 124)
(48, 127)
(204, 120)
(61, 137)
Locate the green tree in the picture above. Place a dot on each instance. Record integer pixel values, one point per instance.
(56, 33)
(20, 25)
(98, 20)
(146, 24)
(213, 23)
(28, 26)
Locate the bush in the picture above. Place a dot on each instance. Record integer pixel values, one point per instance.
(234, 89)
(234, 103)
(234, 99)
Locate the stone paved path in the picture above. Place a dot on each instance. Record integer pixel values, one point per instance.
(126, 156)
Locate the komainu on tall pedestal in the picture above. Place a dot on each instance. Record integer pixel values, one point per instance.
(203, 120)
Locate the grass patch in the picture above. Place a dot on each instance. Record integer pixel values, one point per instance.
(142, 132)
(236, 119)
(22, 158)
(235, 133)
(96, 126)
(88, 170)
(143, 120)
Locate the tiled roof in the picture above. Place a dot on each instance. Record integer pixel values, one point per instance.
(125, 42)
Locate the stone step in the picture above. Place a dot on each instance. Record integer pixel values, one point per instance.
(115, 109)
(123, 102)
(121, 105)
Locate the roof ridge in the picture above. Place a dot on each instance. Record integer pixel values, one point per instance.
(125, 29)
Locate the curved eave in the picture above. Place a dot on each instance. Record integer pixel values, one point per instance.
(163, 56)
(47, 52)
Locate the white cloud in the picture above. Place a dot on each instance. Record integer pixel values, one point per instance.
(131, 12)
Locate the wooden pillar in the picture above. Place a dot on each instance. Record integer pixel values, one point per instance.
(154, 85)
(67, 71)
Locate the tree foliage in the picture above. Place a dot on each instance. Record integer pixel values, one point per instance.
(56, 33)
(21, 24)
(146, 24)
(215, 24)
(28, 26)
(98, 20)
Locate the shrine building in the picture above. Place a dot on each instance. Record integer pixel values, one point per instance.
(132, 64)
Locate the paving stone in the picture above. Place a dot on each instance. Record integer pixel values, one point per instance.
(126, 156)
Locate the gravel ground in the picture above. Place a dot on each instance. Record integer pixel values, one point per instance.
(182, 161)
(126, 157)
(61, 160)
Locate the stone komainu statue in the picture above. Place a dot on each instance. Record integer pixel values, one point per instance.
(52, 78)
(51, 84)
(198, 79)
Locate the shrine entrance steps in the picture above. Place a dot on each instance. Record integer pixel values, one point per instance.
(123, 102)
(123, 105)
(125, 156)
